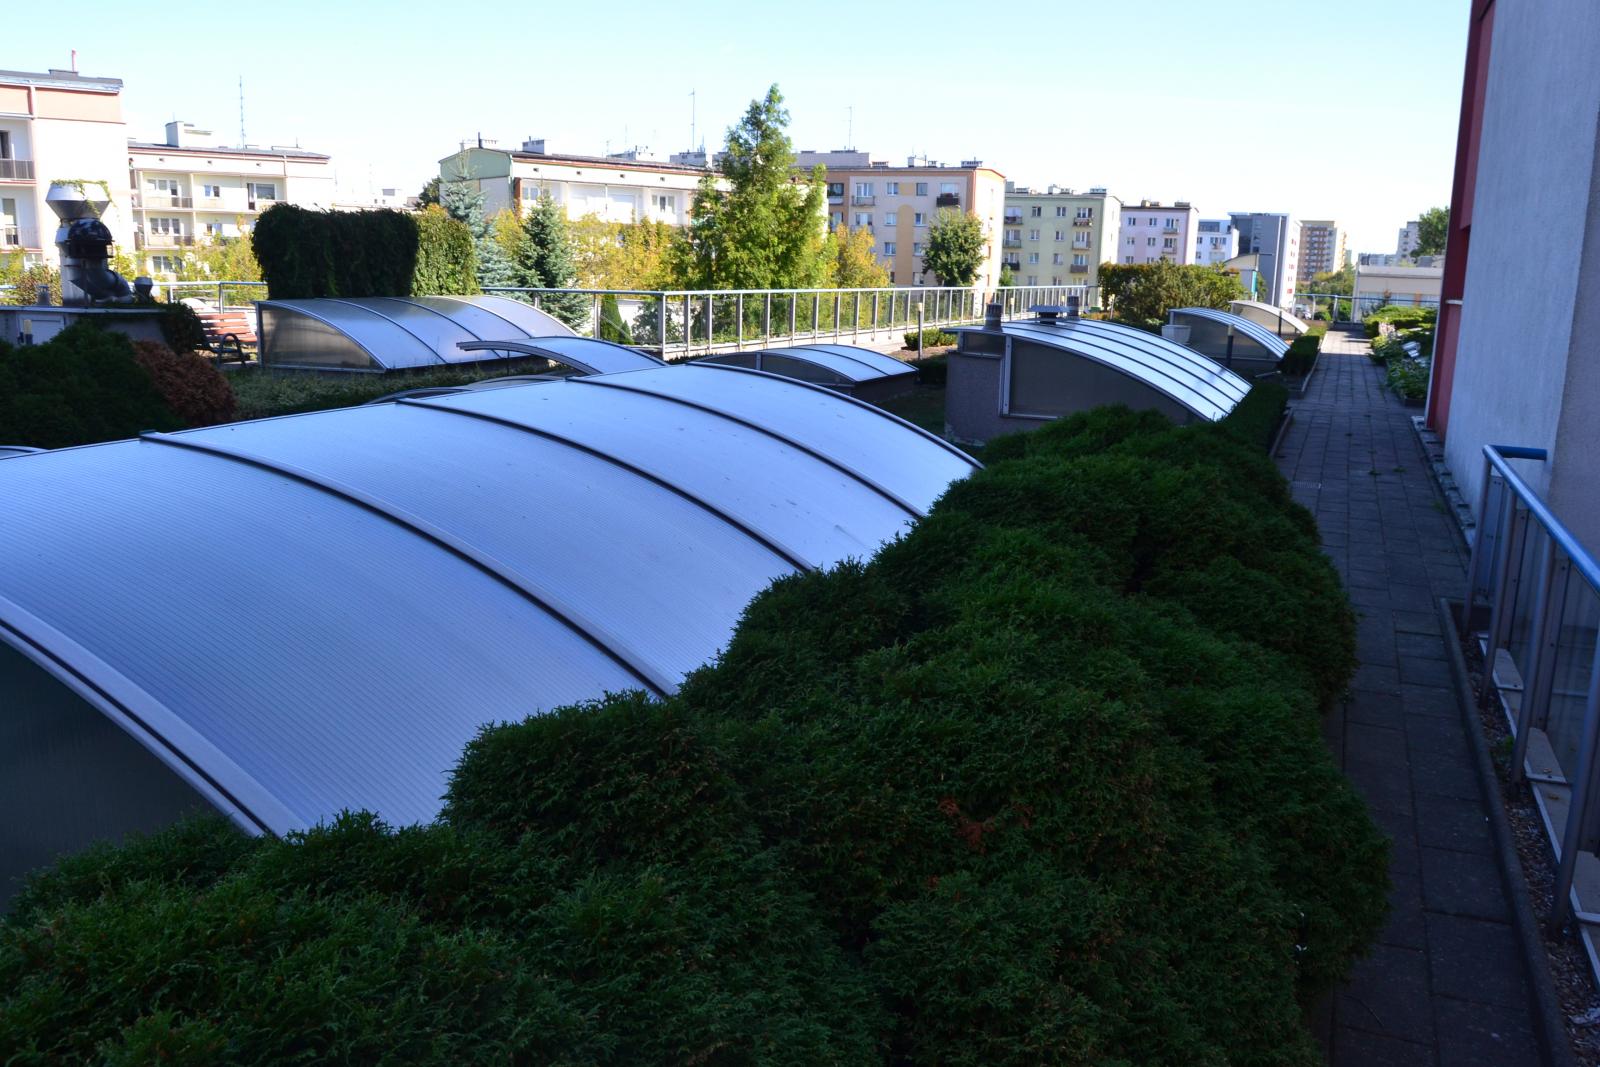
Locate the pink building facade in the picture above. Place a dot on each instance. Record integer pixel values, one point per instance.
(1152, 231)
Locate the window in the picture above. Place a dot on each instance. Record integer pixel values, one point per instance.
(214, 229)
(864, 218)
(666, 203)
(1061, 211)
(212, 191)
(919, 218)
(916, 250)
(1086, 213)
(1132, 221)
(1057, 259)
(1150, 242)
(1127, 259)
(1169, 242)
(1033, 257)
(168, 186)
(836, 220)
(891, 218)
(1033, 235)
(891, 277)
(949, 189)
(1080, 261)
(1014, 236)
(5, 145)
(165, 225)
(1172, 224)
(1131, 240)
(1035, 211)
(863, 188)
(1061, 235)
(922, 190)
(836, 188)
(1033, 279)
(892, 188)
(269, 191)
(888, 248)
(164, 264)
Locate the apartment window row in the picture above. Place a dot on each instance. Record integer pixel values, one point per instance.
(836, 189)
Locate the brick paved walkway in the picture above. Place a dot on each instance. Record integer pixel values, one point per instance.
(1446, 984)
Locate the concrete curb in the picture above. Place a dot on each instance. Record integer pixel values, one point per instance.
(1555, 1047)
(1282, 432)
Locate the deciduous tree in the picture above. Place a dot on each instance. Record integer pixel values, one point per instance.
(853, 260)
(955, 247)
(1432, 228)
(1143, 293)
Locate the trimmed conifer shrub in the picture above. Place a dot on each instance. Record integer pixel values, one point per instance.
(80, 387)
(193, 388)
(1042, 782)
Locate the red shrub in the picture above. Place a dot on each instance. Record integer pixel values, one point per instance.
(192, 387)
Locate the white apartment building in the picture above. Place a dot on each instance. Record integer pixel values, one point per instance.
(1215, 242)
(1410, 238)
(614, 188)
(1275, 238)
(189, 189)
(58, 126)
(1057, 236)
(1152, 231)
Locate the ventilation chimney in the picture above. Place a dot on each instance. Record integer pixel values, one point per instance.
(991, 316)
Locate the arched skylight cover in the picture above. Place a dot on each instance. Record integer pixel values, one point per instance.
(1250, 338)
(824, 364)
(1190, 379)
(1273, 318)
(7, 451)
(583, 354)
(395, 333)
(315, 612)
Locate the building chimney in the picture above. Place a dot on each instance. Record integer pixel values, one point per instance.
(991, 316)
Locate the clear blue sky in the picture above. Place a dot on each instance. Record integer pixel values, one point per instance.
(1344, 111)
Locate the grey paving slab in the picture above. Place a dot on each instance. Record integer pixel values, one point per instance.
(1445, 985)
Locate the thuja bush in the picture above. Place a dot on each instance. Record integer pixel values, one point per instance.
(1041, 782)
(307, 253)
(81, 386)
(193, 388)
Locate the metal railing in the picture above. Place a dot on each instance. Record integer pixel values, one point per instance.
(162, 240)
(1542, 663)
(156, 201)
(223, 293)
(16, 170)
(683, 323)
(947, 200)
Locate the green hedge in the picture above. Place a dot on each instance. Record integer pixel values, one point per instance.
(80, 387)
(1400, 316)
(1042, 782)
(305, 253)
(932, 337)
(1302, 354)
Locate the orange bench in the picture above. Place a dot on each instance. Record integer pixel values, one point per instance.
(228, 333)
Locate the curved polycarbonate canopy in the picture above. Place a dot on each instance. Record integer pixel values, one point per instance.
(395, 333)
(7, 451)
(1188, 378)
(1250, 337)
(583, 354)
(1273, 318)
(316, 612)
(823, 364)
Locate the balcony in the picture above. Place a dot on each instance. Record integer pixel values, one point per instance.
(1013, 220)
(1078, 268)
(259, 204)
(158, 201)
(1083, 222)
(16, 170)
(1169, 229)
(209, 203)
(1011, 242)
(863, 201)
(947, 200)
(162, 240)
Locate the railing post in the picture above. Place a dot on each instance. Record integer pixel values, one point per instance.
(711, 313)
(1473, 558)
(661, 322)
(792, 303)
(838, 298)
(739, 329)
(816, 316)
(766, 322)
(1505, 596)
(688, 324)
(1539, 663)
(1582, 790)
(876, 325)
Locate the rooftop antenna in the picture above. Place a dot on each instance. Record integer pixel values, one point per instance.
(74, 61)
(850, 135)
(242, 141)
(693, 131)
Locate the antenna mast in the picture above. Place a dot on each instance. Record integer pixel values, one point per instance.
(850, 135)
(241, 111)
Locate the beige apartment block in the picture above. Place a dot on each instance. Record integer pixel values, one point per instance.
(58, 125)
(621, 188)
(1321, 248)
(1057, 236)
(189, 190)
(897, 205)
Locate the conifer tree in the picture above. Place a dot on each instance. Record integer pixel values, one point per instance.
(465, 203)
(547, 261)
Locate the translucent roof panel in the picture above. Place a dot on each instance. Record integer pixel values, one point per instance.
(394, 333)
(648, 566)
(1199, 384)
(911, 468)
(834, 364)
(305, 654)
(1264, 341)
(581, 353)
(821, 515)
(311, 613)
(6, 451)
(1273, 318)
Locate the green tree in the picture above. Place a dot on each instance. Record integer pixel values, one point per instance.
(547, 261)
(464, 202)
(1006, 277)
(429, 194)
(1432, 228)
(1341, 282)
(955, 247)
(853, 260)
(446, 259)
(1141, 294)
(766, 230)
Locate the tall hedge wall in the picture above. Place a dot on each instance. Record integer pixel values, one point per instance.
(305, 253)
(1040, 783)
